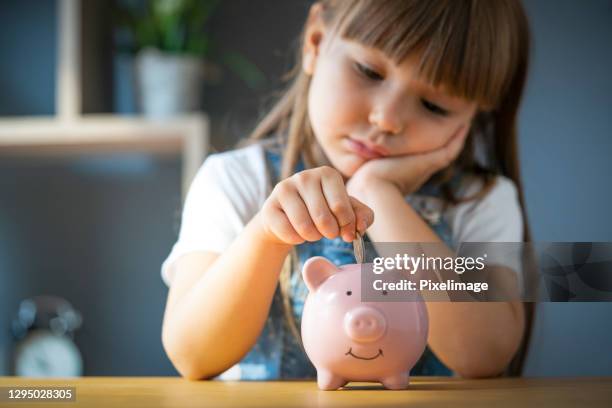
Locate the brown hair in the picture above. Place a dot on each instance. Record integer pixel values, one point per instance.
(476, 49)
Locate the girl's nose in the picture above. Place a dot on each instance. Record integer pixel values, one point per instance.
(386, 119)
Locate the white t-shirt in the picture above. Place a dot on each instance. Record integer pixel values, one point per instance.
(231, 187)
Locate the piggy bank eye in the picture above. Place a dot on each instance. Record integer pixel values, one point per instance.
(349, 293)
(384, 292)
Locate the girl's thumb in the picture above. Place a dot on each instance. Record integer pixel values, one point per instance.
(364, 216)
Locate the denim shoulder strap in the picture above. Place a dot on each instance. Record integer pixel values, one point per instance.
(277, 354)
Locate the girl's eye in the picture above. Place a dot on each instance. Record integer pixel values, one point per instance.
(368, 73)
(349, 293)
(433, 108)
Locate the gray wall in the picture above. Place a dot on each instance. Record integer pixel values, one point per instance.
(27, 33)
(27, 57)
(566, 149)
(265, 32)
(95, 230)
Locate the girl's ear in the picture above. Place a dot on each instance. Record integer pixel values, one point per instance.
(313, 37)
(317, 270)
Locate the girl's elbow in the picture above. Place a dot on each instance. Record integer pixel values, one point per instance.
(191, 372)
(182, 361)
(187, 366)
(478, 370)
(187, 363)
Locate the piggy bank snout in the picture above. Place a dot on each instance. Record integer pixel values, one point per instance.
(364, 324)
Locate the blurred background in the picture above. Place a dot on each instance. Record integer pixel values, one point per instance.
(90, 204)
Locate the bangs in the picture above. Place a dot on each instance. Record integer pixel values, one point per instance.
(471, 48)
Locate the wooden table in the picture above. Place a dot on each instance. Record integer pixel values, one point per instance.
(423, 392)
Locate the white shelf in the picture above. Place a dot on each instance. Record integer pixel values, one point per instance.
(185, 136)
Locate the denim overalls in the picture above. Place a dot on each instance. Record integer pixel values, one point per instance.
(277, 354)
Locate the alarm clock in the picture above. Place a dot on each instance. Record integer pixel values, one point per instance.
(44, 331)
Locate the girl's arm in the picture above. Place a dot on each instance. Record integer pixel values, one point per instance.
(218, 304)
(474, 339)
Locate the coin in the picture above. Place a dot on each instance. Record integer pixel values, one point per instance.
(359, 248)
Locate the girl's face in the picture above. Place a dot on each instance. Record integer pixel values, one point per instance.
(363, 106)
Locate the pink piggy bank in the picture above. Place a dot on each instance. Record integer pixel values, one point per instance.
(349, 340)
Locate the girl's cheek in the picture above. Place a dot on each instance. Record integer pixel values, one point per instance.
(422, 136)
(334, 105)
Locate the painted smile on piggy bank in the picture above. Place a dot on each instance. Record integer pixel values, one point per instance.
(350, 353)
(335, 319)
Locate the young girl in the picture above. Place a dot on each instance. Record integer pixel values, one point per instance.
(400, 120)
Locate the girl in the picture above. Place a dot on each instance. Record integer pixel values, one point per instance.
(400, 120)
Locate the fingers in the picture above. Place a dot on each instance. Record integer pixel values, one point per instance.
(339, 203)
(363, 214)
(298, 214)
(445, 155)
(313, 204)
(310, 191)
(277, 222)
(455, 145)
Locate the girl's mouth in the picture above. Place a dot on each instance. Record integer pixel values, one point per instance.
(362, 150)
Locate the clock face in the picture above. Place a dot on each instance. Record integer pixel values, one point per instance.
(45, 354)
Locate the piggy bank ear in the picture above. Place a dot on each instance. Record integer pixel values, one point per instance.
(316, 270)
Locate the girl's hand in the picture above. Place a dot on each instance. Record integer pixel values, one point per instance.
(409, 172)
(313, 204)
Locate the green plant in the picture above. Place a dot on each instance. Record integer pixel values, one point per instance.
(179, 27)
